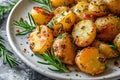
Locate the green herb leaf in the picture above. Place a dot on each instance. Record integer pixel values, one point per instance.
(26, 26)
(100, 4)
(113, 47)
(45, 4)
(6, 55)
(6, 8)
(62, 36)
(52, 60)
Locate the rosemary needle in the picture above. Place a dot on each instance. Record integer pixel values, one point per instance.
(6, 55)
(52, 60)
(26, 26)
(45, 4)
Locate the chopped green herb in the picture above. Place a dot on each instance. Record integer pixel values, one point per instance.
(63, 13)
(100, 4)
(62, 36)
(113, 47)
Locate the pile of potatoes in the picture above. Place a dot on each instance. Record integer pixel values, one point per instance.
(81, 32)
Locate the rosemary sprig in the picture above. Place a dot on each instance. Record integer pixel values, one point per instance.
(6, 55)
(6, 8)
(26, 26)
(45, 4)
(52, 60)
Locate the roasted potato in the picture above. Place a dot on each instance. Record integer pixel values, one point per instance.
(88, 60)
(107, 27)
(60, 9)
(62, 22)
(81, 9)
(113, 5)
(84, 33)
(117, 42)
(97, 8)
(77, 1)
(57, 3)
(105, 49)
(64, 49)
(41, 15)
(41, 39)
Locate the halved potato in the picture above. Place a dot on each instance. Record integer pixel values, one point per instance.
(108, 27)
(88, 61)
(117, 42)
(57, 3)
(105, 49)
(97, 8)
(41, 15)
(64, 49)
(62, 22)
(41, 39)
(113, 5)
(60, 9)
(84, 33)
(81, 9)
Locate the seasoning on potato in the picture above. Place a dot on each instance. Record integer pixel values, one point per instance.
(64, 49)
(84, 33)
(41, 39)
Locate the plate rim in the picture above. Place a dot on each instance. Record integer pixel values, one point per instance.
(30, 64)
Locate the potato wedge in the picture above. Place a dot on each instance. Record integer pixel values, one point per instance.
(41, 39)
(63, 49)
(84, 33)
(107, 27)
(62, 22)
(41, 15)
(105, 49)
(57, 3)
(117, 41)
(88, 61)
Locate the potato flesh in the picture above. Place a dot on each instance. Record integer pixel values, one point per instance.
(97, 8)
(84, 33)
(88, 61)
(64, 50)
(41, 39)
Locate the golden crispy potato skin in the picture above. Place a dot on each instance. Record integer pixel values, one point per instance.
(41, 39)
(97, 8)
(88, 61)
(57, 3)
(113, 5)
(64, 49)
(60, 9)
(105, 49)
(41, 16)
(80, 9)
(62, 22)
(108, 27)
(117, 42)
(84, 33)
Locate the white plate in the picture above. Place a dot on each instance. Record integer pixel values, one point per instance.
(18, 43)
